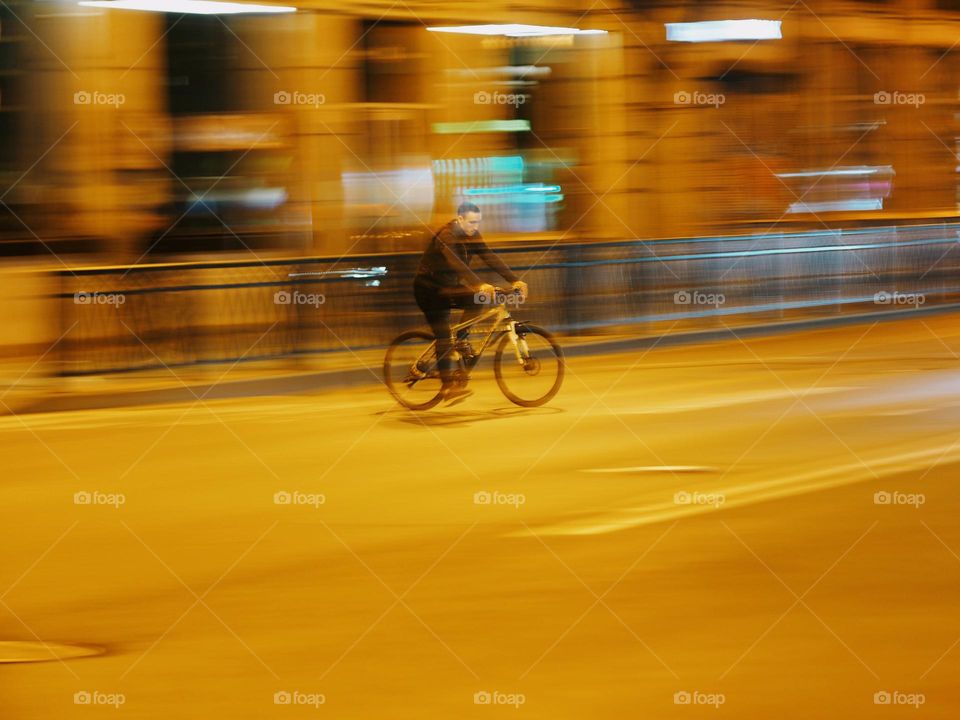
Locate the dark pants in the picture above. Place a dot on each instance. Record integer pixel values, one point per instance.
(437, 304)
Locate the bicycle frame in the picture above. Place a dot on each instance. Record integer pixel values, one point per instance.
(503, 323)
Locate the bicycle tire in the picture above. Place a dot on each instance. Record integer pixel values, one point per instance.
(391, 371)
(498, 361)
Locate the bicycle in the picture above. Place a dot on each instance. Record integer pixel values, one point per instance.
(529, 376)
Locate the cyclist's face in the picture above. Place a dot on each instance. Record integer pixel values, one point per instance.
(469, 223)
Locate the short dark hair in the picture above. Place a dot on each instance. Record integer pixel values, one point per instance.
(467, 207)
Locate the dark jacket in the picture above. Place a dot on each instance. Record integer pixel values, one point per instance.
(446, 261)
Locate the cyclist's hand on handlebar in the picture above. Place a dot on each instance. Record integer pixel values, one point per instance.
(487, 289)
(521, 286)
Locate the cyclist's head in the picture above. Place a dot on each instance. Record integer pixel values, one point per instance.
(468, 217)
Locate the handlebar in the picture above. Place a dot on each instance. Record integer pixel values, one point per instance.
(500, 296)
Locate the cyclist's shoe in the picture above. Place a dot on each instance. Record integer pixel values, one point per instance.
(454, 394)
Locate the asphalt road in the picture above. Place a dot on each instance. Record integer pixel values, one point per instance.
(753, 529)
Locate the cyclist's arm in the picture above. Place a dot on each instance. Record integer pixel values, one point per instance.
(458, 266)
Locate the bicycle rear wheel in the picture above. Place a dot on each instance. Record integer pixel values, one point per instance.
(536, 377)
(410, 372)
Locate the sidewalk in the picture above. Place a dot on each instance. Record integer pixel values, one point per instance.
(26, 390)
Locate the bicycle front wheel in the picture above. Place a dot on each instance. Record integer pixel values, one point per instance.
(534, 377)
(410, 371)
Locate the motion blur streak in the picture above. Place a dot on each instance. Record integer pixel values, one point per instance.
(695, 452)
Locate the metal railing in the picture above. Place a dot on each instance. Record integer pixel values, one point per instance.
(126, 318)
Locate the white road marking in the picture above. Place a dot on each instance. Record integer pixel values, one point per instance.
(897, 413)
(728, 400)
(653, 469)
(755, 492)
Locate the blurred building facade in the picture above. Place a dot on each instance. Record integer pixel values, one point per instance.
(349, 127)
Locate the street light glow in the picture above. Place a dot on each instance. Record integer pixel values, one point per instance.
(188, 7)
(724, 30)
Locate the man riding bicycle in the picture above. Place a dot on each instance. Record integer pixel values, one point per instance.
(444, 281)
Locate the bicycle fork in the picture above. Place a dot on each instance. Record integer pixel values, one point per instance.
(519, 343)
